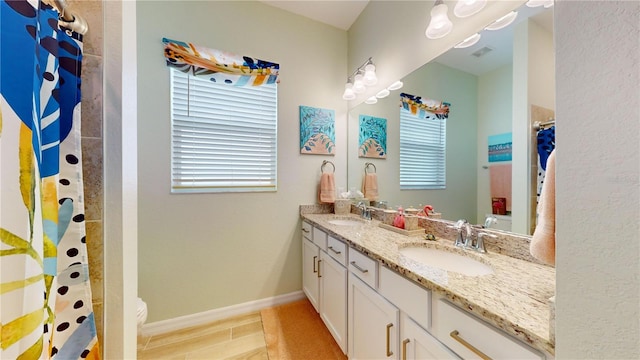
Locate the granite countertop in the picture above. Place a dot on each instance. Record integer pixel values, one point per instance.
(515, 298)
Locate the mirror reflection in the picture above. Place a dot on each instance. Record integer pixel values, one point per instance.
(496, 90)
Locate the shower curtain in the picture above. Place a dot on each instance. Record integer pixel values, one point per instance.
(45, 295)
(546, 139)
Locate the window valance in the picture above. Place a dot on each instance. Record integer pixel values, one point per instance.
(219, 66)
(424, 108)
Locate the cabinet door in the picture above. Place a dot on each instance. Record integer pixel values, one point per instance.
(417, 343)
(310, 280)
(373, 323)
(333, 297)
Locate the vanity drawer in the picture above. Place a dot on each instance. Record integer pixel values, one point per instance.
(320, 238)
(337, 250)
(414, 300)
(363, 267)
(307, 231)
(453, 322)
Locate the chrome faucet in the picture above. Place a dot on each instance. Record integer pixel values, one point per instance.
(490, 220)
(479, 247)
(364, 212)
(460, 240)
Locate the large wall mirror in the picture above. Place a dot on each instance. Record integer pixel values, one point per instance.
(492, 87)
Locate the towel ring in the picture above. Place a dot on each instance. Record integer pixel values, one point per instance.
(366, 166)
(325, 163)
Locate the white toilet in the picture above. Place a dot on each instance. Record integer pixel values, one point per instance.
(142, 315)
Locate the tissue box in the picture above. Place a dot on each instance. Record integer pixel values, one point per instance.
(342, 206)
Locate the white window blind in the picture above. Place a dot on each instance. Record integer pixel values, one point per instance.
(422, 152)
(223, 137)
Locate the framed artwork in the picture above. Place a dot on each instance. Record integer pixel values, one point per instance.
(317, 131)
(372, 139)
(500, 147)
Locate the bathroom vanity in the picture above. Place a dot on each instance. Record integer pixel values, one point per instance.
(379, 302)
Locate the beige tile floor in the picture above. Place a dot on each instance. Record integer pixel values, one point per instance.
(236, 338)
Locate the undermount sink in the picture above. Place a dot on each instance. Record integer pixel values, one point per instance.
(446, 260)
(345, 222)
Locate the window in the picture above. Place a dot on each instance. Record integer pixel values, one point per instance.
(422, 152)
(223, 137)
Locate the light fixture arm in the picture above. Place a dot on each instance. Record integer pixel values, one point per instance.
(359, 70)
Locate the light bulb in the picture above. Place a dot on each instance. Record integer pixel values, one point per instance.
(372, 100)
(396, 85)
(440, 25)
(370, 77)
(383, 93)
(358, 85)
(503, 21)
(470, 41)
(348, 92)
(465, 8)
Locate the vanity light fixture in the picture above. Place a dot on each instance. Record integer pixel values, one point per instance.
(357, 82)
(349, 94)
(372, 100)
(503, 21)
(470, 41)
(466, 8)
(440, 25)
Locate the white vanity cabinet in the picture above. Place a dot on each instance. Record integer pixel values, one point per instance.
(470, 337)
(324, 279)
(310, 258)
(373, 323)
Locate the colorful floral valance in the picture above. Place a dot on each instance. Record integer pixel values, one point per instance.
(424, 108)
(219, 66)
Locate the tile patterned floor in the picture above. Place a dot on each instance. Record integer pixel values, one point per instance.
(237, 338)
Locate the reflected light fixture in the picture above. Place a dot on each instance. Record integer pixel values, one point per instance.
(440, 25)
(383, 93)
(372, 100)
(395, 86)
(536, 3)
(357, 82)
(470, 41)
(503, 21)
(465, 8)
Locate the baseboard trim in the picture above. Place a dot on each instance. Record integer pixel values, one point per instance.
(181, 322)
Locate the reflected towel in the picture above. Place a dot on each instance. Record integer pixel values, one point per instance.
(500, 182)
(370, 186)
(543, 242)
(327, 191)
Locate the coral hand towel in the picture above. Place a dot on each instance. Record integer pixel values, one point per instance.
(370, 187)
(543, 242)
(327, 193)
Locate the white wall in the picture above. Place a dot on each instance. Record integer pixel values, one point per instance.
(199, 252)
(597, 180)
(494, 117)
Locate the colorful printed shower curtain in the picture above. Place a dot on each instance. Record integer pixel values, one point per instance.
(45, 295)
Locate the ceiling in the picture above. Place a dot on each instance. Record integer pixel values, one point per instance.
(338, 13)
(342, 14)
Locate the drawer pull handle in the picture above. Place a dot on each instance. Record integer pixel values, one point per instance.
(314, 264)
(335, 251)
(359, 268)
(404, 348)
(319, 268)
(456, 336)
(305, 230)
(389, 352)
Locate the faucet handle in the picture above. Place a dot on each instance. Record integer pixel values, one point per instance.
(480, 247)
